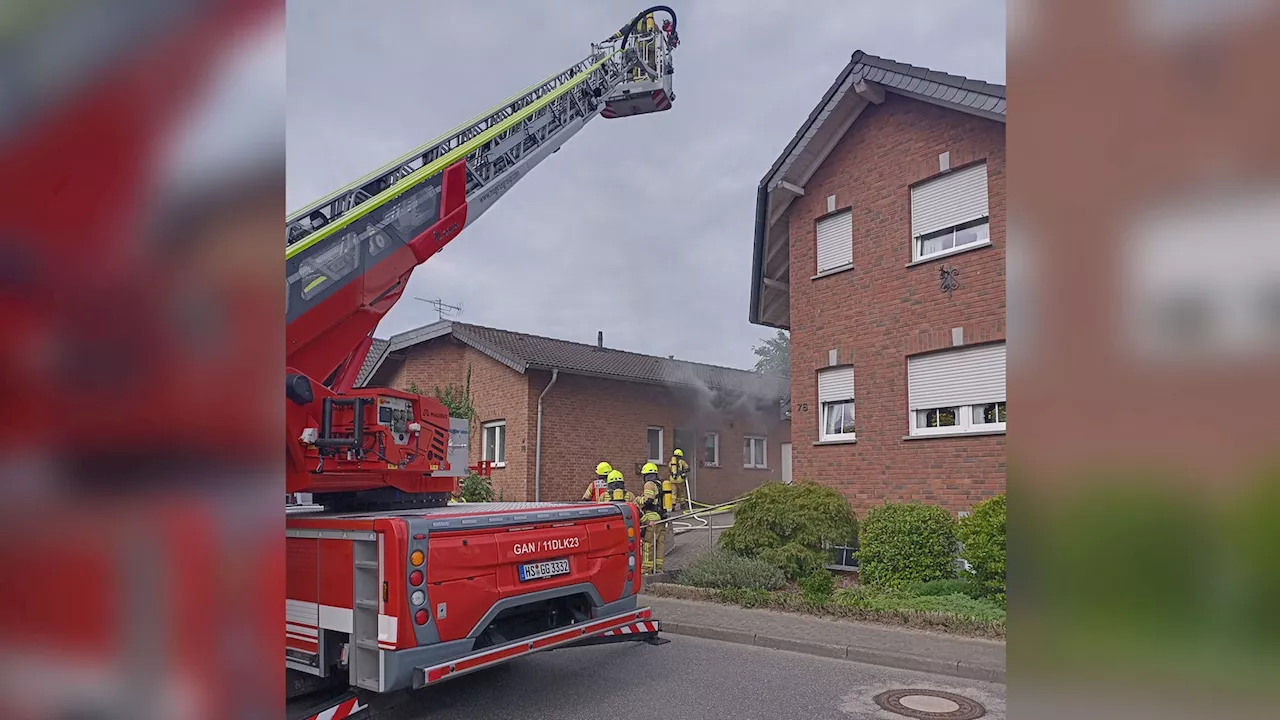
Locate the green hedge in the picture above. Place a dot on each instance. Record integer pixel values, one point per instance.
(957, 604)
(966, 586)
(902, 543)
(720, 569)
(790, 526)
(983, 535)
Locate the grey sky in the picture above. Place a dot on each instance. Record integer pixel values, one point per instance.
(640, 227)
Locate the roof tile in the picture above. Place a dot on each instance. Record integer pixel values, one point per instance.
(544, 353)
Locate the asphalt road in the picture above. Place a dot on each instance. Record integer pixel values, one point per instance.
(686, 679)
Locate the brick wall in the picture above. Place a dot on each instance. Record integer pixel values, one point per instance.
(882, 311)
(586, 420)
(497, 393)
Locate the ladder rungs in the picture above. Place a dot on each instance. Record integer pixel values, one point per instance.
(367, 604)
(366, 644)
(370, 564)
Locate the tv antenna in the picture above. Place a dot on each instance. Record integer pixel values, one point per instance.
(443, 309)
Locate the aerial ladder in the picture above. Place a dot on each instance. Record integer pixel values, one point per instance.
(388, 587)
(349, 255)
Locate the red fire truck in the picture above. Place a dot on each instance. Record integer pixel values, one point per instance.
(389, 587)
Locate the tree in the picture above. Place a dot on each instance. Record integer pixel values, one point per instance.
(456, 399)
(774, 354)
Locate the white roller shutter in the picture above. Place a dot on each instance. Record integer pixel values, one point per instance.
(835, 241)
(971, 376)
(835, 384)
(950, 200)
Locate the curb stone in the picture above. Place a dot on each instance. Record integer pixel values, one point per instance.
(853, 653)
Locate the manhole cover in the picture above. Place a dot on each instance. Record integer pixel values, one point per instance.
(930, 705)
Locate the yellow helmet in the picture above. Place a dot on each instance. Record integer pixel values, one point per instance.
(649, 469)
(678, 453)
(615, 476)
(604, 468)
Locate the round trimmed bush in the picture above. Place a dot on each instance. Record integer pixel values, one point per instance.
(983, 535)
(790, 526)
(905, 543)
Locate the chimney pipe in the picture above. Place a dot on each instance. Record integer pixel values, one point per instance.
(600, 339)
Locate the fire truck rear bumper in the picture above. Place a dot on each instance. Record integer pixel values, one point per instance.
(633, 624)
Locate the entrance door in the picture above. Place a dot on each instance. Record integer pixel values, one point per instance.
(786, 463)
(684, 439)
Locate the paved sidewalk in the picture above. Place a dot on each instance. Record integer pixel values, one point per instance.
(903, 648)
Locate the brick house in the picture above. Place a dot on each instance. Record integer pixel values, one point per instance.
(879, 244)
(597, 403)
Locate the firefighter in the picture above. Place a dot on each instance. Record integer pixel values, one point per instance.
(654, 503)
(617, 485)
(597, 489)
(678, 474)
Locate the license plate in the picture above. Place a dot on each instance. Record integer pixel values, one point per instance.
(540, 570)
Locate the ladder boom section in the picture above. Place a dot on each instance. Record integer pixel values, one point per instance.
(344, 275)
(319, 214)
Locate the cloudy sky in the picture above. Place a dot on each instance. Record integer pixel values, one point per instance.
(640, 227)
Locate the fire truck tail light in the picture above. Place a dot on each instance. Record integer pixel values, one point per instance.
(417, 598)
(415, 577)
(420, 617)
(416, 557)
(631, 532)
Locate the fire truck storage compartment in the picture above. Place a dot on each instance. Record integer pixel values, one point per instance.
(469, 572)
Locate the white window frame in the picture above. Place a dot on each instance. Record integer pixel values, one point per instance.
(713, 462)
(649, 447)
(965, 406)
(823, 435)
(965, 424)
(749, 462)
(917, 243)
(965, 209)
(845, 241)
(500, 442)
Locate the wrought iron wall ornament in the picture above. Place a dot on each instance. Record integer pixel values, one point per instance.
(949, 279)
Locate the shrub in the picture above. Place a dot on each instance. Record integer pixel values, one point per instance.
(791, 525)
(984, 545)
(953, 586)
(476, 488)
(817, 587)
(901, 543)
(719, 569)
(881, 600)
(794, 560)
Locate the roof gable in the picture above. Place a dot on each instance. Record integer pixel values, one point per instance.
(864, 81)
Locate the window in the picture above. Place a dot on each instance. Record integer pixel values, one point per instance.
(655, 445)
(753, 452)
(711, 450)
(495, 443)
(835, 241)
(957, 391)
(950, 214)
(835, 400)
(938, 243)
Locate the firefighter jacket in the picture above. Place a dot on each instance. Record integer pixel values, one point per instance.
(597, 490)
(650, 501)
(678, 473)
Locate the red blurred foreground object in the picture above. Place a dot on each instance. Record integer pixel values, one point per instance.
(134, 504)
